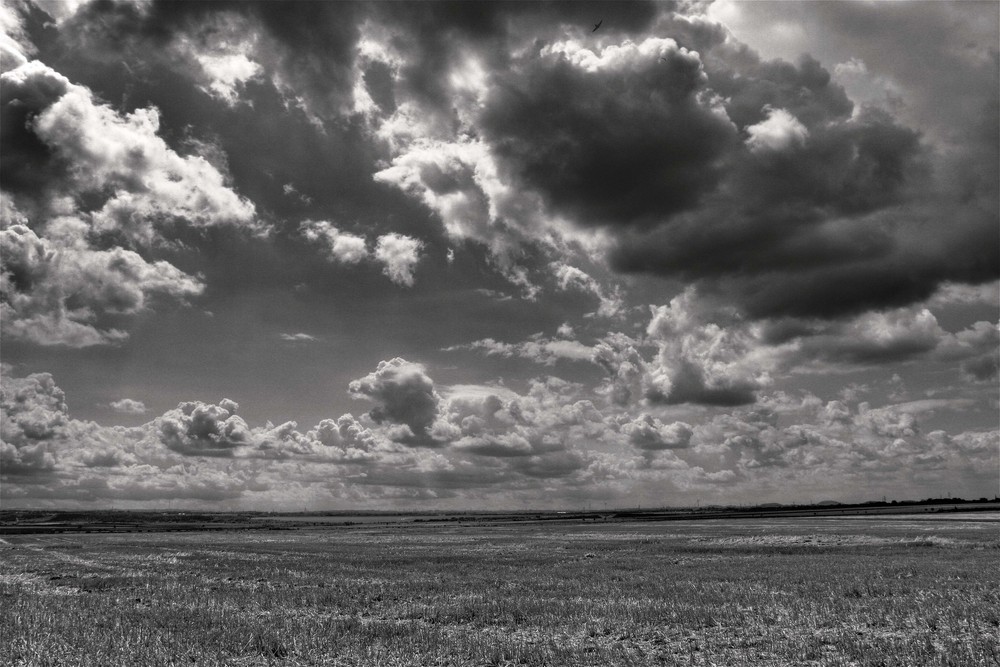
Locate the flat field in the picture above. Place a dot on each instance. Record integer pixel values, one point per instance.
(806, 591)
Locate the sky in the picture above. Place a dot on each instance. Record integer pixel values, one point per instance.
(438, 255)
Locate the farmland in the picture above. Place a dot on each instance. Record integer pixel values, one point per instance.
(828, 590)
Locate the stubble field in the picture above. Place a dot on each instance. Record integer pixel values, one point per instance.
(828, 591)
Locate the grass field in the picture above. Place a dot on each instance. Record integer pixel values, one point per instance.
(828, 591)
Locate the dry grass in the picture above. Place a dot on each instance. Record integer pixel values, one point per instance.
(794, 592)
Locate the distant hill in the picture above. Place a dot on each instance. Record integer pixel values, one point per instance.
(828, 502)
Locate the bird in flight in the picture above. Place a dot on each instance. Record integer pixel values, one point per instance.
(597, 25)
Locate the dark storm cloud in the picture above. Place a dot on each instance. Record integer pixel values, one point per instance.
(313, 42)
(610, 139)
(433, 34)
(812, 190)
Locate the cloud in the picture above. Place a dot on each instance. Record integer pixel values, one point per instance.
(616, 137)
(142, 180)
(298, 338)
(128, 406)
(204, 429)
(536, 432)
(348, 434)
(56, 292)
(228, 71)
(650, 434)
(70, 265)
(341, 246)
(399, 255)
(404, 394)
(570, 277)
(549, 440)
(33, 415)
(620, 358)
(539, 349)
(15, 43)
(701, 360)
(779, 132)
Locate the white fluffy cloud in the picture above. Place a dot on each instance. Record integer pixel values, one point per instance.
(551, 439)
(703, 357)
(57, 286)
(780, 131)
(649, 433)
(342, 247)
(55, 292)
(398, 255)
(147, 180)
(128, 406)
(33, 415)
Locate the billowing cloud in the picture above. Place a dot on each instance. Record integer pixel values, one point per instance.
(620, 358)
(204, 429)
(702, 360)
(404, 395)
(398, 255)
(66, 265)
(623, 135)
(839, 220)
(340, 246)
(780, 131)
(649, 433)
(797, 251)
(535, 431)
(34, 412)
(56, 292)
(100, 153)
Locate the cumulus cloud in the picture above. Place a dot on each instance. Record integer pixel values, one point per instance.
(794, 207)
(649, 433)
(66, 266)
(227, 73)
(535, 431)
(404, 395)
(399, 255)
(128, 406)
(780, 131)
(33, 415)
(620, 358)
(204, 429)
(461, 182)
(106, 152)
(342, 247)
(497, 439)
(700, 360)
(645, 145)
(55, 292)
